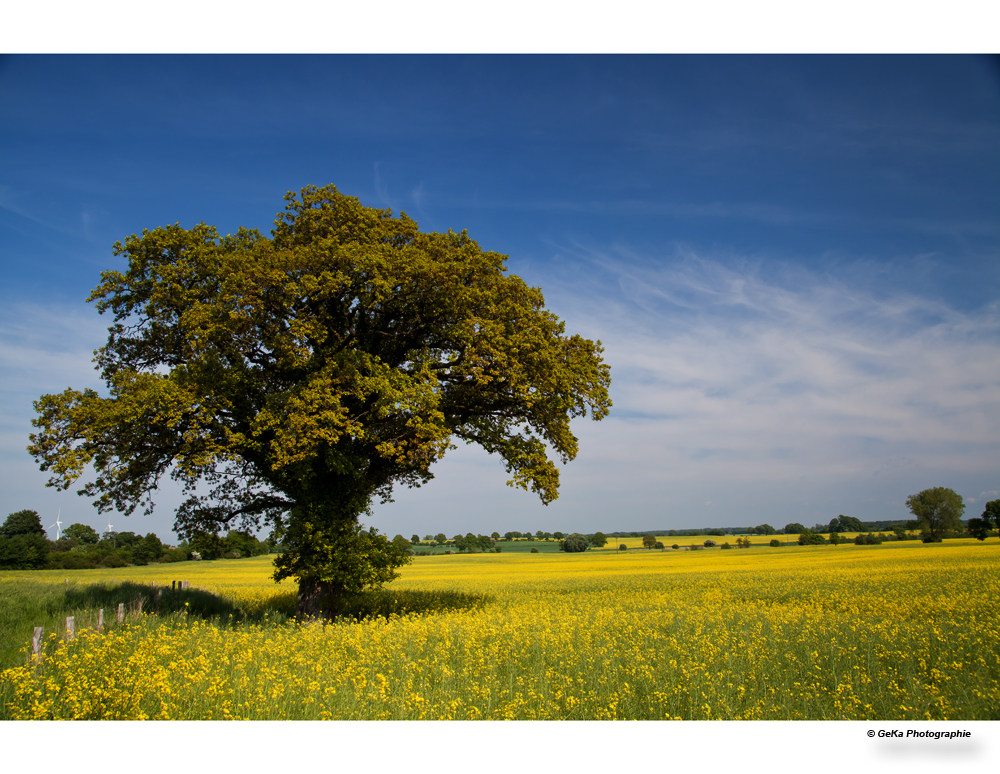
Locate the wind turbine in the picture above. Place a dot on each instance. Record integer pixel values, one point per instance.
(57, 525)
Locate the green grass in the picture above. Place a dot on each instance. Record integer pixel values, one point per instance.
(27, 603)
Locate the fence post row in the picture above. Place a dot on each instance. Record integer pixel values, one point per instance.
(39, 633)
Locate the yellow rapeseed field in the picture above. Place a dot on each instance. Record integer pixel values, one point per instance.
(897, 631)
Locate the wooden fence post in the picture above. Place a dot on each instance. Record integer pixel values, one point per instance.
(36, 643)
(173, 585)
(138, 605)
(70, 627)
(100, 618)
(121, 612)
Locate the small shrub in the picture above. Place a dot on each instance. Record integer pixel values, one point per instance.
(534, 550)
(675, 546)
(725, 545)
(709, 544)
(623, 547)
(775, 543)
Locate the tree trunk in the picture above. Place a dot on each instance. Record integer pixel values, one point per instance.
(318, 600)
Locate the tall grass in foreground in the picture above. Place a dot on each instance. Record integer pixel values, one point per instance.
(903, 631)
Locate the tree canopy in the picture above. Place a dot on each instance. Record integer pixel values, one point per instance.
(937, 510)
(293, 379)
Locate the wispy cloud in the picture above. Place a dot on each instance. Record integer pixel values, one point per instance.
(746, 372)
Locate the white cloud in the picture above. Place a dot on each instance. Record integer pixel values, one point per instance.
(778, 379)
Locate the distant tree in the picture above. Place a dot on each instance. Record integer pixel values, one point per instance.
(81, 533)
(401, 543)
(938, 510)
(534, 550)
(558, 535)
(154, 547)
(794, 529)
(980, 527)
(575, 543)
(508, 535)
(429, 538)
(495, 536)
(127, 539)
(23, 543)
(539, 534)
(847, 524)
(207, 544)
(484, 542)
(599, 540)
(835, 538)
(22, 523)
(764, 529)
(900, 532)
(672, 533)
(775, 543)
(441, 538)
(648, 541)
(415, 539)
(659, 545)
(709, 543)
(622, 547)
(675, 546)
(809, 538)
(240, 541)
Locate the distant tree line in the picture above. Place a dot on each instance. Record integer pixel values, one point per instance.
(472, 543)
(24, 545)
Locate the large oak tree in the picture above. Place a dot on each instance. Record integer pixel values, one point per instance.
(293, 379)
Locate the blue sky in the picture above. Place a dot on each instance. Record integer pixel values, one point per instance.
(791, 261)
